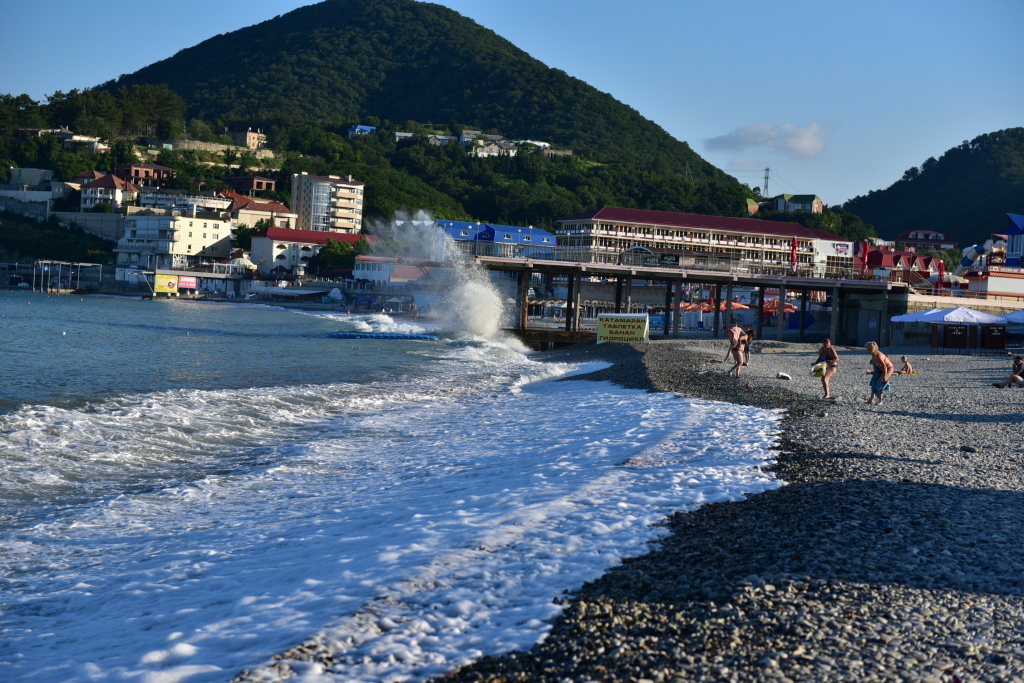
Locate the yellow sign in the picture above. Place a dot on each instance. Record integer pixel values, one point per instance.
(622, 327)
(165, 284)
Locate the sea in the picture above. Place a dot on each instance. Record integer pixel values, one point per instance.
(189, 488)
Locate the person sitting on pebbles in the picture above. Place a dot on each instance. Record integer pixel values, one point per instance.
(907, 368)
(1016, 374)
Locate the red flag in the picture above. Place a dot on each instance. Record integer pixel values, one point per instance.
(864, 259)
(792, 255)
(942, 275)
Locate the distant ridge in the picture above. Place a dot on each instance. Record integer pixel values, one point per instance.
(965, 193)
(342, 61)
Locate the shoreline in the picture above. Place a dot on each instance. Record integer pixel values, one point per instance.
(888, 555)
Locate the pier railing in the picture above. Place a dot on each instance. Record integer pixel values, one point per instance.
(638, 258)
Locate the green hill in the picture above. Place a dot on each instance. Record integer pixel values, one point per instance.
(965, 193)
(342, 61)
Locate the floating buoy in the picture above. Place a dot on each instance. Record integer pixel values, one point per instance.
(63, 333)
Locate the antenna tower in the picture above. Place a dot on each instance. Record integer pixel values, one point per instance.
(765, 193)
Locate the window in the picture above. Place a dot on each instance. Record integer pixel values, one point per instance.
(508, 236)
(216, 236)
(527, 238)
(547, 239)
(190, 247)
(464, 233)
(204, 235)
(190, 234)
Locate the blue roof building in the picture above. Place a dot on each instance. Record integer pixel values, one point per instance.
(360, 130)
(499, 234)
(1014, 240)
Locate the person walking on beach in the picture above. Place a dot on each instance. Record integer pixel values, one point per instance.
(1016, 374)
(750, 336)
(880, 373)
(735, 348)
(828, 355)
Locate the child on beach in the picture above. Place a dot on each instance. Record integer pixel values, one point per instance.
(907, 368)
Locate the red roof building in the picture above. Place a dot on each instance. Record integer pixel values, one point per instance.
(609, 231)
(288, 250)
(249, 211)
(107, 189)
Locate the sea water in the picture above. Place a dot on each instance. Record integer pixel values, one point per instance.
(188, 489)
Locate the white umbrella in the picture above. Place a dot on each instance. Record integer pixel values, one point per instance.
(914, 317)
(964, 315)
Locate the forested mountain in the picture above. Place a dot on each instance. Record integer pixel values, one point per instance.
(341, 62)
(965, 193)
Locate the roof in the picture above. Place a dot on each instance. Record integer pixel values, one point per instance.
(801, 198)
(111, 181)
(335, 180)
(90, 175)
(364, 129)
(310, 236)
(1016, 221)
(693, 220)
(247, 203)
(932, 235)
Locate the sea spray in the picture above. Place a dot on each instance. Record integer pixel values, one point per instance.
(469, 302)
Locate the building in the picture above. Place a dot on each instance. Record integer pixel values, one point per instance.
(400, 137)
(901, 265)
(493, 149)
(247, 211)
(381, 271)
(924, 240)
(87, 176)
(810, 203)
(108, 189)
(251, 184)
(284, 251)
(155, 198)
(441, 140)
(248, 139)
(327, 203)
(498, 234)
(1014, 240)
(146, 175)
(174, 241)
(360, 130)
(604, 235)
(92, 145)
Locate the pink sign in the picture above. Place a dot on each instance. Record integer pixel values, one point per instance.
(186, 282)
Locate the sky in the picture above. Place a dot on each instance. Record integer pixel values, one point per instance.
(836, 99)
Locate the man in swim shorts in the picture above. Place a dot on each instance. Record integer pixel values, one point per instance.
(735, 348)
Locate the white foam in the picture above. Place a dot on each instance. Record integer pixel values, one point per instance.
(412, 529)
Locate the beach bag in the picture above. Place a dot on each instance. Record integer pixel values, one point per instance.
(818, 370)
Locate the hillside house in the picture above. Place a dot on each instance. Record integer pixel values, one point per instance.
(811, 203)
(146, 175)
(108, 189)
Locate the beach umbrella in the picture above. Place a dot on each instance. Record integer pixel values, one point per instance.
(914, 317)
(963, 315)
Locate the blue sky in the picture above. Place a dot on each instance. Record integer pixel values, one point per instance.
(836, 98)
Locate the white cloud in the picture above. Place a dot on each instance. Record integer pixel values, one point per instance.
(805, 141)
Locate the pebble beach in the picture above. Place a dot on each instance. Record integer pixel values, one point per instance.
(891, 554)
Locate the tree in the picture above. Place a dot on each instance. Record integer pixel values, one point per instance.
(337, 255)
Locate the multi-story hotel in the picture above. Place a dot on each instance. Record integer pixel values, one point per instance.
(175, 241)
(605, 234)
(327, 203)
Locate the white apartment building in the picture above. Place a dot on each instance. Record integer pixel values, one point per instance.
(174, 241)
(327, 203)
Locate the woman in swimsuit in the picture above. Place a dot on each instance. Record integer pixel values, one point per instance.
(828, 355)
(880, 372)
